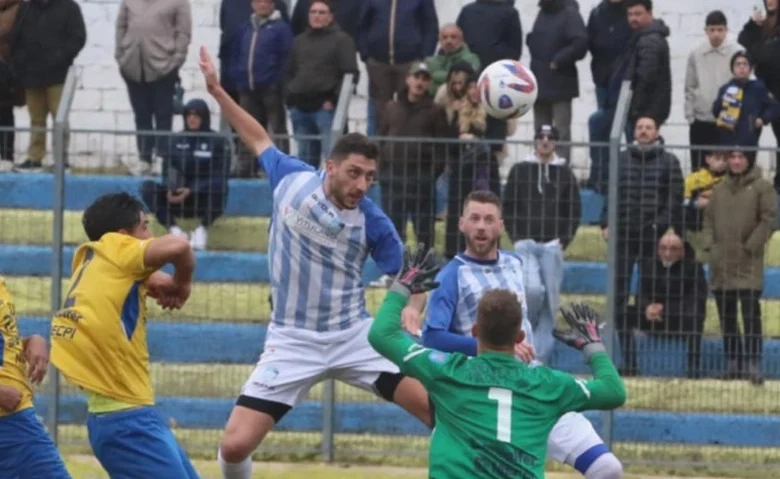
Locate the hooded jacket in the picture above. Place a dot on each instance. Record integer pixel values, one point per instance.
(739, 221)
(541, 201)
(261, 52)
(647, 64)
(51, 35)
(650, 190)
(198, 160)
(608, 35)
(558, 36)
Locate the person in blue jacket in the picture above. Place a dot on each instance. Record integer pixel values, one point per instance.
(194, 179)
(743, 105)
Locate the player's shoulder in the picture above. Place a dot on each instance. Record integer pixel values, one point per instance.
(510, 256)
(113, 242)
(451, 268)
(377, 222)
(5, 293)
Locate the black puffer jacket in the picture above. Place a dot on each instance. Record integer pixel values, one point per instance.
(608, 36)
(650, 190)
(492, 30)
(558, 36)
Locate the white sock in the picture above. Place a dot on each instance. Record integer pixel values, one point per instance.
(607, 466)
(235, 470)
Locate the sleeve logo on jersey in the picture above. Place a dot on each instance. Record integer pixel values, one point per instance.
(438, 357)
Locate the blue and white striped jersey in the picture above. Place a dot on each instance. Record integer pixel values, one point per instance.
(317, 252)
(462, 282)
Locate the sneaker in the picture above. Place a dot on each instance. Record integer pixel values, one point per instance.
(29, 166)
(199, 238)
(176, 231)
(6, 166)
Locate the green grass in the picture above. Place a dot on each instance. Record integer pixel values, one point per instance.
(244, 302)
(250, 234)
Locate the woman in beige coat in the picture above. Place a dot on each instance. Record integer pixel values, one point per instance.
(738, 223)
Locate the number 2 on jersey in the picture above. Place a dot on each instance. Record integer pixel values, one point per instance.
(504, 415)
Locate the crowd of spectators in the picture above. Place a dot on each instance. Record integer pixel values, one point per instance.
(288, 66)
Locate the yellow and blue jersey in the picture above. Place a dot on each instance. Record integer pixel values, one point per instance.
(99, 336)
(13, 366)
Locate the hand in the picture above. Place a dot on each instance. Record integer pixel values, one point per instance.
(605, 234)
(177, 197)
(759, 123)
(411, 321)
(168, 293)
(9, 398)
(209, 71)
(653, 311)
(328, 105)
(525, 352)
(36, 352)
(466, 136)
(584, 322)
(701, 202)
(418, 272)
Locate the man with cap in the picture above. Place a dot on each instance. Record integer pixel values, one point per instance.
(541, 206)
(738, 223)
(409, 169)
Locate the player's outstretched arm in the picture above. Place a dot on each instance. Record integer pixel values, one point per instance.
(606, 390)
(416, 276)
(252, 133)
(36, 353)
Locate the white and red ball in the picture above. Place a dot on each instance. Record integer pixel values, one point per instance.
(508, 89)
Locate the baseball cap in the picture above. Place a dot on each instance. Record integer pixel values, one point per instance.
(547, 130)
(419, 67)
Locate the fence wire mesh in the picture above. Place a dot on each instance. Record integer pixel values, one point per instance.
(690, 398)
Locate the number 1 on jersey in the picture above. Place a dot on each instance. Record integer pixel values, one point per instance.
(504, 415)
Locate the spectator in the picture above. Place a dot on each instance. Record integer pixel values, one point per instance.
(408, 169)
(11, 94)
(558, 40)
(391, 36)
(738, 223)
(708, 69)
(608, 35)
(760, 37)
(452, 94)
(743, 106)
(541, 207)
(151, 46)
(671, 302)
(319, 59)
(492, 30)
(346, 14)
(51, 35)
(233, 15)
(650, 199)
(452, 50)
(699, 186)
(195, 174)
(262, 49)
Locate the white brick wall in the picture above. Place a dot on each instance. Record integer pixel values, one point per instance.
(102, 103)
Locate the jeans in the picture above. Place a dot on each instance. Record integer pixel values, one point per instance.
(601, 96)
(315, 123)
(371, 126)
(152, 104)
(599, 128)
(7, 137)
(543, 275)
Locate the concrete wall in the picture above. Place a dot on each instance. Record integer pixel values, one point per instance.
(102, 103)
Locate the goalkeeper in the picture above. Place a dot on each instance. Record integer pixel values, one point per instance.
(493, 414)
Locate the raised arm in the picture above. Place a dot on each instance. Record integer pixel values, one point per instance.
(252, 133)
(441, 312)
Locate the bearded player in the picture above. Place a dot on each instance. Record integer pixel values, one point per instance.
(493, 413)
(452, 311)
(323, 229)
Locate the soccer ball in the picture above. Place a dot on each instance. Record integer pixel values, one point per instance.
(508, 89)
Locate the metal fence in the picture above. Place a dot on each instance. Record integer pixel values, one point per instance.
(675, 417)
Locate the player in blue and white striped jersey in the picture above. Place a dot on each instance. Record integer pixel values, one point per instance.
(323, 229)
(452, 311)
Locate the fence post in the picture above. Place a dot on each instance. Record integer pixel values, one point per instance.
(60, 153)
(329, 388)
(615, 136)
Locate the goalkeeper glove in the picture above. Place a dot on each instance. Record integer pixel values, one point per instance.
(418, 272)
(584, 333)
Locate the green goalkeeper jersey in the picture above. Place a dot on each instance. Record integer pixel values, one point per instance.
(493, 413)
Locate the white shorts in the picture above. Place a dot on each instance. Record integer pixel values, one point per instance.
(294, 360)
(572, 435)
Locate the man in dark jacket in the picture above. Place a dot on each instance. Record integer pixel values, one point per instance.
(51, 35)
(408, 169)
(608, 35)
(557, 42)
(650, 192)
(195, 173)
(319, 59)
(391, 36)
(346, 14)
(492, 30)
(261, 53)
